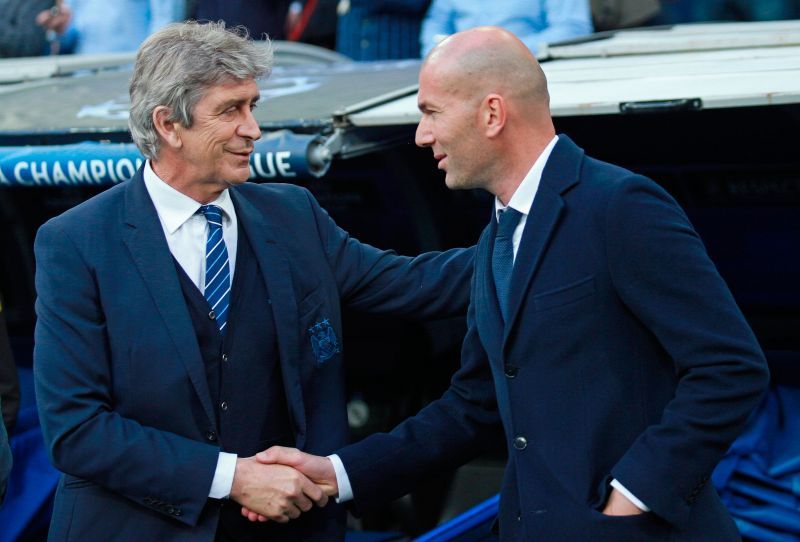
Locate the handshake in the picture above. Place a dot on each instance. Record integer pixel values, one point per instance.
(280, 483)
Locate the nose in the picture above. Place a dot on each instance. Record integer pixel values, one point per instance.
(424, 136)
(249, 127)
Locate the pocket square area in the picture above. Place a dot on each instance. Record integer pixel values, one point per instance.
(323, 341)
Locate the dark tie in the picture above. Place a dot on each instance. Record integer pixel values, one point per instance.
(503, 256)
(218, 272)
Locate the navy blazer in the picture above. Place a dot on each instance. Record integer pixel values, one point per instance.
(625, 357)
(123, 398)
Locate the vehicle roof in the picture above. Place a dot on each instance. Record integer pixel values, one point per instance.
(658, 69)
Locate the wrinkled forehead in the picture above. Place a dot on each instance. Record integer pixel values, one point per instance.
(231, 89)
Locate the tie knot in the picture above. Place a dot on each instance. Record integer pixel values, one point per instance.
(212, 213)
(507, 222)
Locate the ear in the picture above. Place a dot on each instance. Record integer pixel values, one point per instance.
(168, 130)
(493, 114)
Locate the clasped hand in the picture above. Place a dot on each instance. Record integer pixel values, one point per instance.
(281, 483)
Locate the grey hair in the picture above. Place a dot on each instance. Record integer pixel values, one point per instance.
(177, 64)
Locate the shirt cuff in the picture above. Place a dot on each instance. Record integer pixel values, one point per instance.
(630, 496)
(223, 477)
(342, 480)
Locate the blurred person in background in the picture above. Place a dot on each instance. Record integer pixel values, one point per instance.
(694, 11)
(312, 21)
(380, 29)
(744, 10)
(533, 21)
(615, 14)
(27, 27)
(99, 26)
(258, 16)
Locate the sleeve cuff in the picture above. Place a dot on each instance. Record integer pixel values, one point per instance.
(223, 477)
(630, 496)
(342, 480)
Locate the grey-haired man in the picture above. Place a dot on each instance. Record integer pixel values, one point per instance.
(188, 320)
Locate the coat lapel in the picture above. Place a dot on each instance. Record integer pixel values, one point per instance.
(276, 271)
(145, 240)
(489, 320)
(560, 174)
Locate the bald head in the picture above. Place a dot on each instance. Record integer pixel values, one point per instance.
(485, 110)
(489, 59)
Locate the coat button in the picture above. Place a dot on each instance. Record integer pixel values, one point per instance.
(224, 405)
(510, 371)
(211, 436)
(225, 357)
(520, 443)
(212, 315)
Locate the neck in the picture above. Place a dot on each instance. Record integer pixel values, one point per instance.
(521, 152)
(183, 180)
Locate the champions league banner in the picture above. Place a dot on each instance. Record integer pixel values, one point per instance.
(280, 155)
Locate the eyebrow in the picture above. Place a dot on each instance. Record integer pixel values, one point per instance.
(234, 101)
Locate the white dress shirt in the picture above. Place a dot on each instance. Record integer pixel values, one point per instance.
(522, 201)
(186, 233)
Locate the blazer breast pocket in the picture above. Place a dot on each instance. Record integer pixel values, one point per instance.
(564, 295)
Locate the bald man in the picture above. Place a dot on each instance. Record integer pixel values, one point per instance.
(599, 331)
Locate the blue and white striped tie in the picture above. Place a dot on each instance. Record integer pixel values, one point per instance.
(218, 272)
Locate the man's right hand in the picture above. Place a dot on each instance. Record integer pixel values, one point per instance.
(319, 470)
(276, 492)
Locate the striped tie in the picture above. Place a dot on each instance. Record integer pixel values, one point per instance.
(503, 256)
(218, 273)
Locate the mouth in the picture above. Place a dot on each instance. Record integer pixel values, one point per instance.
(244, 155)
(440, 158)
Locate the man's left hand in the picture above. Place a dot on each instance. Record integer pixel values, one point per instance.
(619, 505)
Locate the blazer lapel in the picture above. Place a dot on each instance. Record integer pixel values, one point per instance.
(145, 240)
(560, 174)
(277, 275)
(489, 319)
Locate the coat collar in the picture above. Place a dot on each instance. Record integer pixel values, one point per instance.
(561, 173)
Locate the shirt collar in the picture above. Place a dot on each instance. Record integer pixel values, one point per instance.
(173, 207)
(522, 200)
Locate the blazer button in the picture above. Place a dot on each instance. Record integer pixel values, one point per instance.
(520, 443)
(224, 405)
(225, 357)
(510, 371)
(211, 436)
(212, 315)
